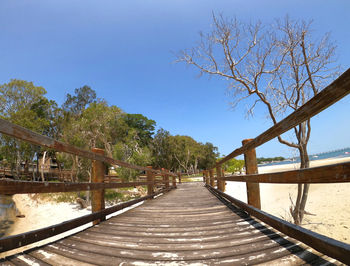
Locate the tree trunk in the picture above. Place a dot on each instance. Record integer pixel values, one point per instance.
(43, 166)
(18, 165)
(303, 189)
(37, 166)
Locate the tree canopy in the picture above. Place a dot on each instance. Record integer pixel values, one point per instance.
(86, 121)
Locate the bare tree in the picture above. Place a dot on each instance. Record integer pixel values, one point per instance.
(280, 65)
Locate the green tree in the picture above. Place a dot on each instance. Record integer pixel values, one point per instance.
(75, 104)
(132, 151)
(233, 166)
(208, 155)
(24, 104)
(143, 126)
(161, 149)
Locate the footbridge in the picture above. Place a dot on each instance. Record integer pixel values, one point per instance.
(194, 223)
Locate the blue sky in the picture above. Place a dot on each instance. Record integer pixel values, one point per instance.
(125, 51)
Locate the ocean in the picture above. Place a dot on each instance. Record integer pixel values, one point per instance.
(319, 156)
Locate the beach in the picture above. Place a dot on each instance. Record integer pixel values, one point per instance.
(329, 203)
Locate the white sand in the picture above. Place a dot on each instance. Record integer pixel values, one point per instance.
(330, 202)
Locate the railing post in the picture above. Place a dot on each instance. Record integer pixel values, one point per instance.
(207, 181)
(163, 177)
(174, 181)
(167, 184)
(251, 166)
(223, 181)
(218, 176)
(211, 174)
(150, 178)
(97, 176)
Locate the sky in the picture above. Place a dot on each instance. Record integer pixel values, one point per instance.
(125, 51)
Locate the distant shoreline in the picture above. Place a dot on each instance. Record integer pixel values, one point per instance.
(294, 166)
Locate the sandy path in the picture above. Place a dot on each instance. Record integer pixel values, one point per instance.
(330, 202)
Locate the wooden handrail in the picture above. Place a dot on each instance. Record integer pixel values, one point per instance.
(10, 187)
(27, 135)
(336, 173)
(328, 96)
(324, 244)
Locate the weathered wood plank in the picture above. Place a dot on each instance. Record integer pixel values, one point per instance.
(179, 255)
(336, 173)
(25, 259)
(328, 96)
(326, 245)
(53, 258)
(9, 187)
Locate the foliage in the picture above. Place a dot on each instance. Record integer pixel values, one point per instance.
(268, 160)
(75, 104)
(143, 126)
(23, 103)
(87, 122)
(182, 153)
(233, 165)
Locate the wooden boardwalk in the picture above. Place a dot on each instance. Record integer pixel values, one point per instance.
(187, 226)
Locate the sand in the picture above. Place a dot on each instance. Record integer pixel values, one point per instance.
(329, 202)
(42, 213)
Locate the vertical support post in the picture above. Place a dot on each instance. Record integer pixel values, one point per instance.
(167, 184)
(163, 178)
(174, 181)
(211, 174)
(218, 176)
(223, 182)
(207, 181)
(150, 178)
(251, 166)
(97, 176)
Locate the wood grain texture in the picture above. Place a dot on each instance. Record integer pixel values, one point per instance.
(187, 226)
(325, 98)
(10, 187)
(336, 173)
(251, 166)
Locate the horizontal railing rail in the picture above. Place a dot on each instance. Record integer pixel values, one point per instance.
(336, 173)
(10, 187)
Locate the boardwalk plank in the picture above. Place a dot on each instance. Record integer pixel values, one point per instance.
(186, 226)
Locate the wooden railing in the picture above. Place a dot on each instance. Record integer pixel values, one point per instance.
(325, 174)
(10, 187)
